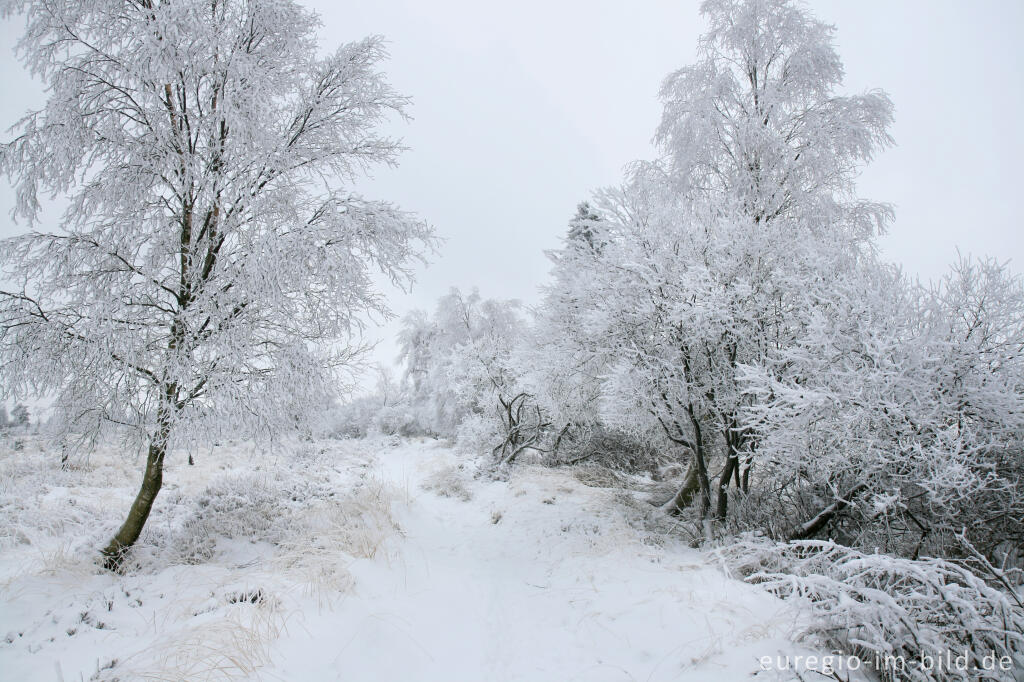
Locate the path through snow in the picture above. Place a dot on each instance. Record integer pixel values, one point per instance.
(537, 578)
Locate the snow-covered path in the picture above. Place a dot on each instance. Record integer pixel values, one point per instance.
(369, 561)
(538, 578)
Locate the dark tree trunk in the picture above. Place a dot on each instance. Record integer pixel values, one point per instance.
(696, 479)
(702, 466)
(731, 465)
(731, 470)
(115, 552)
(821, 519)
(684, 497)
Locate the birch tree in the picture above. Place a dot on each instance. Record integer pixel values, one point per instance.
(709, 253)
(212, 269)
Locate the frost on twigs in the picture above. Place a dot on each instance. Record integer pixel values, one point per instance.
(897, 615)
(214, 269)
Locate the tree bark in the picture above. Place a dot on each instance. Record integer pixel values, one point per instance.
(731, 470)
(822, 518)
(115, 552)
(731, 465)
(695, 481)
(684, 497)
(701, 462)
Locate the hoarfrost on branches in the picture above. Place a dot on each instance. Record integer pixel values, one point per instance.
(212, 270)
(708, 258)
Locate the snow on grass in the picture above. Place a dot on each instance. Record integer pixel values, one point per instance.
(361, 560)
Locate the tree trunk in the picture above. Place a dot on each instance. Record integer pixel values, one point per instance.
(696, 480)
(684, 497)
(114, 553)
(701, 462)
(731, 469)
(731, 465)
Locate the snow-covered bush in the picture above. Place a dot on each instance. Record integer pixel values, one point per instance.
(478, 434)
(387, 410)
(40, 499)
(253, 506)
(462, 367)
(369, 415)
(449, 482)
(354, 418)
(897, 615)
(897, 418)
(237, 505)
(632, 452)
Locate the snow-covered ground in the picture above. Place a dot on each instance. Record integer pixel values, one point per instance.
(362, 560)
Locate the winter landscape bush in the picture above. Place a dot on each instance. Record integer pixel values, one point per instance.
(898, 615)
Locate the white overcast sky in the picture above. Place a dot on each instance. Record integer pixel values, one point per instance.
(521, 109)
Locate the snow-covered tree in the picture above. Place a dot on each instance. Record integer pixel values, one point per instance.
(755, 125)
(709, 257)
(561, 364)
(212, 268)
(462, 368)
(386, 410)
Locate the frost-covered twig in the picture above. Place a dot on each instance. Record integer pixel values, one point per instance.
(895, 614)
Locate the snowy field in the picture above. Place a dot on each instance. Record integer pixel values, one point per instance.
(362, 560)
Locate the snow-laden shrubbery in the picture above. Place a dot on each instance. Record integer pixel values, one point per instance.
(234, 543)
(387, 410)
(898, 615)
(310, 512)
(614, 449)
(40, 499)
(450, 481)
(308, 522)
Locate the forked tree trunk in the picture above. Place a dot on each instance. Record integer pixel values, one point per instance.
(731, 466)
(695, 482)
(729, 471)
(114, 553)
(696, 479)
(684, 497)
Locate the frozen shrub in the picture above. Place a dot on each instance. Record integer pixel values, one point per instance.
(353, 419)
(893, 613)
(376, 413)
(478, 434)
(612, 449)
(448, 482)
(238, 505)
